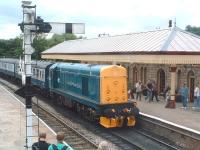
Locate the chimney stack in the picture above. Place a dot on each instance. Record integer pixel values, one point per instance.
(170, 23)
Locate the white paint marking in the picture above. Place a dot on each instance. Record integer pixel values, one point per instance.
(170, 123)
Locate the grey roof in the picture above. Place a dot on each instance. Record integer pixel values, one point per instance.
(165, 40)
(40, 63)
(10, 60)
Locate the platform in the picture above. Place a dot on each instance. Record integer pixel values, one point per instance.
(13, 123)
(188, 118)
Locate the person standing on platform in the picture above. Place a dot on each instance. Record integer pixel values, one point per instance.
(138, 90)
(196, 96)
(149, 90)
(154, 91)
(131, 93)
(184, 95)
(167, 94)
(165, 91)
(41, 144)
(60, 145)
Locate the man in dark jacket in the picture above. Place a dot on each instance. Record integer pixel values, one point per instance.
(41, 144)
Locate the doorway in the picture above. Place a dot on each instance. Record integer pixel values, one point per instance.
(135, 76)
(190, 83)
(161, 80)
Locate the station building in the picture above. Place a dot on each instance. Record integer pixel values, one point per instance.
(169, 56)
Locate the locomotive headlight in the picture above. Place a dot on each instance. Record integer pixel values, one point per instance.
(126, 110)
(108, 98)
(113, 110)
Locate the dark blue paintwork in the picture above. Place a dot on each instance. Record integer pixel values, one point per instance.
(80, 82)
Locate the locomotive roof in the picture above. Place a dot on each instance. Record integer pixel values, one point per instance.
(81, 68)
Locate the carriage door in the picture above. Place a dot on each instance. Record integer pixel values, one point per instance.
(191, 85)
(161, 81)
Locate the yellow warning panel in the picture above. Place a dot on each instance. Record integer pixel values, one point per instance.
(108, 122)
(131, 121)
(113, 85)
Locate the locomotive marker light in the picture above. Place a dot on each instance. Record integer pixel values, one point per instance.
(30, 27)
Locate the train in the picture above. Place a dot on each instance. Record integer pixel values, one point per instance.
(97, 92)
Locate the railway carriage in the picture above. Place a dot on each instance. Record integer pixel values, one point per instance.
(8, 67)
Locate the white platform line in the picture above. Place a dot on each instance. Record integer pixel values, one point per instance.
(170, 123)
(11, 94)
(32, 112)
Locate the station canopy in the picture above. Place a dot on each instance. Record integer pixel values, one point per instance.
(166, 46)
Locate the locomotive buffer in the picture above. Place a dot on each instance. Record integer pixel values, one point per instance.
(31, 26)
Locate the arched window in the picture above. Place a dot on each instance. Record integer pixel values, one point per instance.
(190, 84)
(145, 75)
(161, 80)
(178, 84)
(127, 68)
(142, 74)
(135, 75)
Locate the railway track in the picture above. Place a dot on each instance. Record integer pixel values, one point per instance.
(173, 135)
(142, 140)
(127, 139)
(74, 138)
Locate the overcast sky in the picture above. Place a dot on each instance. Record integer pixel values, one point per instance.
(104, 16)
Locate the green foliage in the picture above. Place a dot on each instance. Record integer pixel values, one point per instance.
(56, 39)
(40, 44)
(193, 29)
(13, 47)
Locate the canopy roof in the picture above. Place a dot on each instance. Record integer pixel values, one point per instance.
(166, 40)
(167, 46)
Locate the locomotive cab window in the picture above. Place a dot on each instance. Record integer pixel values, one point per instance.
(85, 86)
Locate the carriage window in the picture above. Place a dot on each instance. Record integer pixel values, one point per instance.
(37, 74)
(43, 72)
(40, 75)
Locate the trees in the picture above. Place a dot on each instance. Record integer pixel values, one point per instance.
(193, 29)
(41, 43)
(13, 47)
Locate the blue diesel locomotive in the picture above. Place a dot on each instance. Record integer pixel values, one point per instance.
(98, 92)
